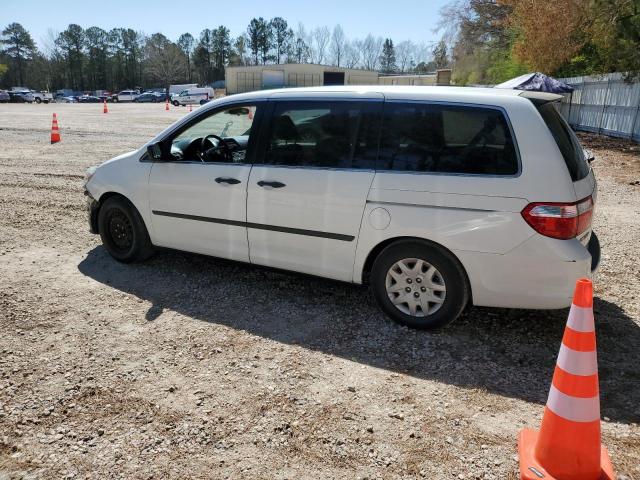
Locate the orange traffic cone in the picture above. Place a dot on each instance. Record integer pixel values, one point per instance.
(166, 105)
(105, 109)
(55, 133)
(568, 447)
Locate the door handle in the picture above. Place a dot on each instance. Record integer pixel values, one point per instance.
(230, 181)
(263, 183)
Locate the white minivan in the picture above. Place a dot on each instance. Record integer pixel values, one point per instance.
(193, 96)
(436, 197)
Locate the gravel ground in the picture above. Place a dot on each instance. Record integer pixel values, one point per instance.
(193, 367)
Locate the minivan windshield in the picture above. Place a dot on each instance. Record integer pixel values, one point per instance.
(566, 140)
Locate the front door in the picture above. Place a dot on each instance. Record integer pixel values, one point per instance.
(198, 195)
(305, 201)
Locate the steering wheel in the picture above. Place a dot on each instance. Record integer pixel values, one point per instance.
(222, 146)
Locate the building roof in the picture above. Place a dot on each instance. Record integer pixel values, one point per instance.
(276, 66)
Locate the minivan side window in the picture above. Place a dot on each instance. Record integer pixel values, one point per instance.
(567, 141)
(456, 139)
(330, 134)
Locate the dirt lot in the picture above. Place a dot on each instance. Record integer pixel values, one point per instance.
(191, 367)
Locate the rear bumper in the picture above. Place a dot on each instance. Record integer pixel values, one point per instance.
(539, 274)
(594, 249)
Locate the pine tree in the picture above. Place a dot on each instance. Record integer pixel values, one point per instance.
(388, 57)
(19, 46)
(440, 55)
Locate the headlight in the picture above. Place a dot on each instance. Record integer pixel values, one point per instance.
(89, 173)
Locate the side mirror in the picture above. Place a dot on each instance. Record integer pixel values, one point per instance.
(588, 155)
(155, 151)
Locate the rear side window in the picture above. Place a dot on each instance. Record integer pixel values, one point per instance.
(453, 139)
(567, 141)
(323, 134)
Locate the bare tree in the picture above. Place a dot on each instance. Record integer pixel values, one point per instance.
(423, 53)
(371, 48)
(320, 37)
(164, 60)
(338, 43)
(352, 54)
(404, 54)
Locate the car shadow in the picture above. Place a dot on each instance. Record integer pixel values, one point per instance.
(507, 352)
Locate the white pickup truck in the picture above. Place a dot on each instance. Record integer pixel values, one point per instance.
(126, 96)
(42, 97)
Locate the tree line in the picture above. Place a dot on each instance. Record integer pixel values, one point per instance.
(493, 40)
(94, 58)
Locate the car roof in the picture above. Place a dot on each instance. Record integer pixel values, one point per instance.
(443, 93)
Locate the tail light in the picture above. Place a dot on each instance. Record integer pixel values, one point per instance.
(560, 220)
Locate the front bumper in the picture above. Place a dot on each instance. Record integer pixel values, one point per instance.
(92, 212)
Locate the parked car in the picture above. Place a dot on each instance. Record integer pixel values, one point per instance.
(88, 99)
(162, 96)
(436, 197)
(4, 96)
(193, 96)
(65, 99)
(150, 97)
(125, 96)
(20, 97)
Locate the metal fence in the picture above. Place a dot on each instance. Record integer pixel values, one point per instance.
(603, 104)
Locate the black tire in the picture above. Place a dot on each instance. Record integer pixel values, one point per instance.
(38, 100)
(176, 103)
(202, 102)
(123, 232)
(457, 292)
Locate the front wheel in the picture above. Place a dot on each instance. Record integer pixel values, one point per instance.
(176, 103)
(38, 100)
(419, 285)
(123, 232)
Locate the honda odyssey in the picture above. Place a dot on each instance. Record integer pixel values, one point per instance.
(436, 197)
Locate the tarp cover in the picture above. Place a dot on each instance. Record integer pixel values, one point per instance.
(537, 82)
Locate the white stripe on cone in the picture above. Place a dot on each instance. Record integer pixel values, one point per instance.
(581, 319)
(577, 363)
(573, 408)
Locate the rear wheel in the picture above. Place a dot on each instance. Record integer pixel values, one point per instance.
(419, 285)
(123, 232)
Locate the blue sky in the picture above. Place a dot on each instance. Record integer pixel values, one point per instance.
(397, 19)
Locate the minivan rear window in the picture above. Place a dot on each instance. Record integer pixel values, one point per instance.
(439, 138)
(566, 140)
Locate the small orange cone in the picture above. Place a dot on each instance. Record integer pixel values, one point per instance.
(568, 447)
(166, 105)
(105, 109)
(55, 133)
